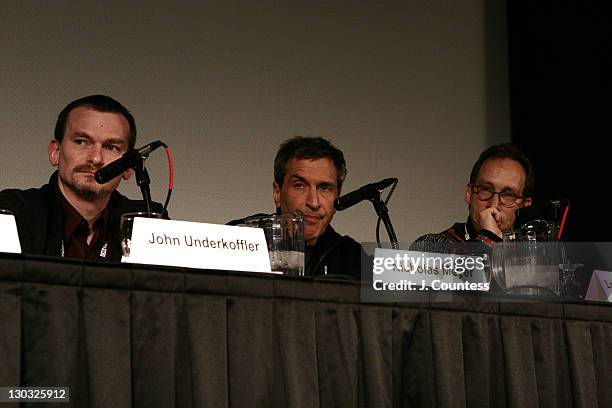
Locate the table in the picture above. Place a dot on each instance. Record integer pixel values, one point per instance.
(146, 336)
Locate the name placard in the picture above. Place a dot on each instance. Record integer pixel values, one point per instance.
(600, 287)
(9, 238)
(198, 245)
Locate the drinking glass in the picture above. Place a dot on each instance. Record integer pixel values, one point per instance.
(126, 226)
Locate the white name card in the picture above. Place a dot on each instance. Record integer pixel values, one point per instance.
(198, 245)
(600, 287)
(9, 238)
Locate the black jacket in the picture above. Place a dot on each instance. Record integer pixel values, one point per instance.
(334, 255)
(40, 218)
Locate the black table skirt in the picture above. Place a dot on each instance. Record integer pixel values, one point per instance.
(144, 336)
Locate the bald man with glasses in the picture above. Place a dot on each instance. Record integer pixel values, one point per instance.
(502, 181)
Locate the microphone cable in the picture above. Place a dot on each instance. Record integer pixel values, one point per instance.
(170, 177)
(563, 222)
(379, 218)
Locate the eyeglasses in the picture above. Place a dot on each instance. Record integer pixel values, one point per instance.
(485, 193)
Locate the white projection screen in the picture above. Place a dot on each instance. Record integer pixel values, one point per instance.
(411, 89)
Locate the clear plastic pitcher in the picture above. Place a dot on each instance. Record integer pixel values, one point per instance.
(529, 260)
(285, 239)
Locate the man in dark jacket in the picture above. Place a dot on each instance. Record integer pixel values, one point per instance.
(308, 177)
(73, 215)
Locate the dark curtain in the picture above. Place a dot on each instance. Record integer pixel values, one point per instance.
(122, 336)
(560, 55)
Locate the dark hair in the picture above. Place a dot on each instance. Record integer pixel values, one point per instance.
(308, 147)
(507, 151)
(100, 103)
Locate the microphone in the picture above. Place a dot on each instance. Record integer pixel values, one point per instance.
(548, 209)
(363, 193)
(128, 160)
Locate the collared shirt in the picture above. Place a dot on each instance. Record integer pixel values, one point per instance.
(76, 231)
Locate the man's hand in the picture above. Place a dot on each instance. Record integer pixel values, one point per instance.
(489, 219)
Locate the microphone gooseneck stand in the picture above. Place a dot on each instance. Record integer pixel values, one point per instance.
(383, 213)
(143, 181)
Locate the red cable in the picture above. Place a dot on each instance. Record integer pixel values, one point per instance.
(170, 168)
(170, 177)
(562, 222)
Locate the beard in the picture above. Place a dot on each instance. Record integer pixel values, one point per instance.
(82, 185)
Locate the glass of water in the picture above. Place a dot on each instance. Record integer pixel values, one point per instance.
(126, 226)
